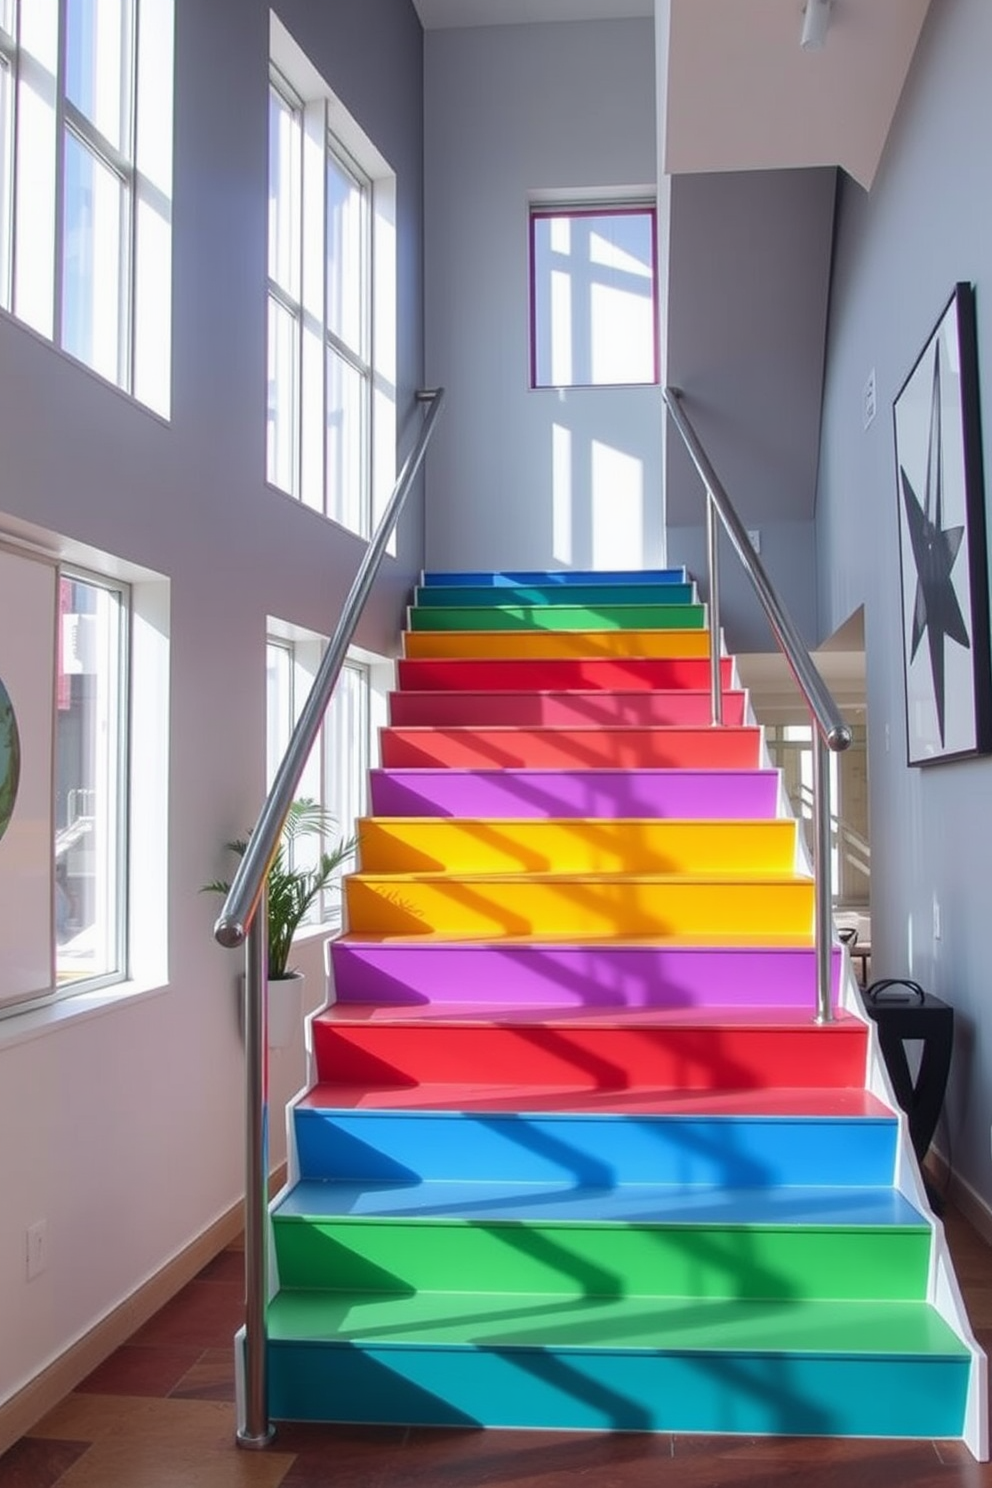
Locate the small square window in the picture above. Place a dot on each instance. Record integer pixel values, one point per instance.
(593, 297)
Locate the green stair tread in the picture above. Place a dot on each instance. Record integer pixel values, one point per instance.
(813, 1327)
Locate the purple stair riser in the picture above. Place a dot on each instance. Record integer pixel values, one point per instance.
(564, 976)
(679, 794)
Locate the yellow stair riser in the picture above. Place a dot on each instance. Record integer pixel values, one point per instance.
(580, 908)
(411, 845)
(547, 645)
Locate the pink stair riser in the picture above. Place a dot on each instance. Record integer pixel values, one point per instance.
(396, 973)
(563, 749)
(561, 709)
(679, 794)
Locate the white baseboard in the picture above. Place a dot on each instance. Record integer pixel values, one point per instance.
(43, 1393)
(960, 1193)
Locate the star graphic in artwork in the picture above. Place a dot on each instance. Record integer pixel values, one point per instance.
(936, 610)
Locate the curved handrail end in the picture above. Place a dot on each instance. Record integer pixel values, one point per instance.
(839, 738)
(229, 932)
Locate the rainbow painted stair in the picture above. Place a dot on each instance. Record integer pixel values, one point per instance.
(575, 1154)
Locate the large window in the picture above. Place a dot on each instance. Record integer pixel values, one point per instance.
(85, 182)
(336, 774)
(593, 298)
(90, 780)
(330, 436)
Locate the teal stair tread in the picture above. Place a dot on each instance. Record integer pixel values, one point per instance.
(634, 1203)
(450, 1100)
(478, 1014)
(804, 1326)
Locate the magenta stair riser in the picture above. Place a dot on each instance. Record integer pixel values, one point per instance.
(678, 794)
(558, 709)
(469, 674)
(397, 974)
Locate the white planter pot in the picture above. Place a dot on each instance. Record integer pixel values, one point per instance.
(285, 1010)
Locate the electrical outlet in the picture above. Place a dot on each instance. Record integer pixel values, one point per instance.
(37, 1248)
(754, 538)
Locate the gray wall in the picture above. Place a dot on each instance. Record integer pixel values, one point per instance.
(749, 259)
(512, 111)
(120, 1122)
(926, 224)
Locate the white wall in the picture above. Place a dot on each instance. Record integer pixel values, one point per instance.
(749, 267)
(926, 224)
(122, 1128)
(513, 112)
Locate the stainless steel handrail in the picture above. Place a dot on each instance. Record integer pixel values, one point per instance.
(241, 922)
(829, 732)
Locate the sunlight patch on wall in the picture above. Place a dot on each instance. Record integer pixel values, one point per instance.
(561, 493)
(617, 508)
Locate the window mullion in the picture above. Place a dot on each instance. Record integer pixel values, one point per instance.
(129, 318)
(59, 215)
(292, 307)
(87, 133)
(345, 352)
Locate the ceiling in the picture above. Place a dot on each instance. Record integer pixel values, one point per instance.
(742, 94)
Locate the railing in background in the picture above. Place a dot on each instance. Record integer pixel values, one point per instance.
(242, 922)
(829, 729)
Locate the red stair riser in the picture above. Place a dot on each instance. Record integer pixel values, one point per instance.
(560, 709)
(728, 1057)
(592, 748)
(632, 674)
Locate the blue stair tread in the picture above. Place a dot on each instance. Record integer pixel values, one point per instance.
(556, 1101)
(634, 1203)
(503, 578)
(810, 1327)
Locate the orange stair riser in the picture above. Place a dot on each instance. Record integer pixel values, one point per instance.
(552, 645)
(581, 846)
(584, 908)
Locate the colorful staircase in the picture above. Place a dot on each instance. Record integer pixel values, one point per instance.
(576, 1154)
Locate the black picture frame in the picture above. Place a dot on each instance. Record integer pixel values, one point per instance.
(942, 546)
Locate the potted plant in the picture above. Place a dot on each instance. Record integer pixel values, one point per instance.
(291, 892)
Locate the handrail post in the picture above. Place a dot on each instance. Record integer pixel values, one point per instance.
(713, 567)
(256, 1429)
(823, 888)
(244, 921)
(829, 728)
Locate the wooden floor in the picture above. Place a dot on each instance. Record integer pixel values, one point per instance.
(159, 1414)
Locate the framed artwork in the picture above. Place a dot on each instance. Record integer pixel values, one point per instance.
(943, 564)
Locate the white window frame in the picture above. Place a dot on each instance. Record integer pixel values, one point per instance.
(113, 842)
(328, 133)
(304, 652)
(44, 121)
(8, 62)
